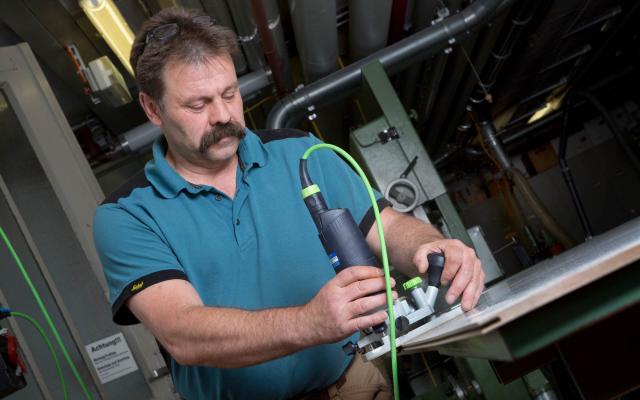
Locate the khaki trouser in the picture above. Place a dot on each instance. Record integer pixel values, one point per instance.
(361, 381)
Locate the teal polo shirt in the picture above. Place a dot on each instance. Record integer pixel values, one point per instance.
(258, 250)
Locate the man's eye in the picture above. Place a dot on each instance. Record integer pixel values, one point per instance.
(229, 97)
(196, 107)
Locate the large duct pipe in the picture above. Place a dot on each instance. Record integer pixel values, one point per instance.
(247, 33)
(418, 46)
(275, 26)
(269, 45)
(143, 135)
(368, 26)
(398, 14)
(423, 13)
(249, 84)
(316, 32)
(219, 10)
(488, 132)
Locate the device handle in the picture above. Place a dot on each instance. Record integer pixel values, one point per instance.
(434, 271)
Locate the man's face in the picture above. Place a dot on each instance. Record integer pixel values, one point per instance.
(202, 114)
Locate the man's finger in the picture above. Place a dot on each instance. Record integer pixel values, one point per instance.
(365, 304)
(367, 286)
(480, 285)
(453, 255)
(470, 292)
(357, 273)
(461, 281)
(367, 321)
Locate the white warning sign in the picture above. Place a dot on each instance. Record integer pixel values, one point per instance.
(111, 357)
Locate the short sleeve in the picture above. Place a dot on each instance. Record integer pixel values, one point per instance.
(133, 258)
(342, 187)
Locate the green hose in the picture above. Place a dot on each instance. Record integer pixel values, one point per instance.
(49, 345)
(383, 251)
(63, 348)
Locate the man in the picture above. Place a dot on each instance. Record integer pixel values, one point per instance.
(213, 250)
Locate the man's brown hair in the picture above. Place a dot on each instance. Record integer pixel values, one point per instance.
(193, 42)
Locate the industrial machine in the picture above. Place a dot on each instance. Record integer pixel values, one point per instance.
(500, 328)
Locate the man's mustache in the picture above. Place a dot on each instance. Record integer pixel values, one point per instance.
(219, 132)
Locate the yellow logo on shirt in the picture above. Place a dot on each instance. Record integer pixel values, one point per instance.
(137, 286)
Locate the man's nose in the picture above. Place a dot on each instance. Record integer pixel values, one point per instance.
(219, 113)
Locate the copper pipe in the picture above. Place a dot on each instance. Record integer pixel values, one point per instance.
(268, 46)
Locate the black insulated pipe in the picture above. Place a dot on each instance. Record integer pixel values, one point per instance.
(484, 122)
(568, 177)
(394, 58)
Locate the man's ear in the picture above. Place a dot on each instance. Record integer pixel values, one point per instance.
(151, 108)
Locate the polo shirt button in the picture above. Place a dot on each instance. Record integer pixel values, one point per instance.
(237, 221)
(218, 196)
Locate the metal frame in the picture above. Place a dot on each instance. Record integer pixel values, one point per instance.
(386, 162)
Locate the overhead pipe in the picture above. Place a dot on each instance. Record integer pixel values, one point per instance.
(418, 46)
(249, 84)
(316, 33)
(434, 109)
(276, 27)
(247, 33)
(368, 26)
(398, 14)
(508, 41)
(220, 11)
(568, 177)
(489, 62)
(432, 82)
(623, 29)
(269, 46)
(488, 131)
(408, 16)
(143, 135)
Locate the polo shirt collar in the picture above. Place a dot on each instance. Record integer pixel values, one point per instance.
(169, 183)
(251, 150)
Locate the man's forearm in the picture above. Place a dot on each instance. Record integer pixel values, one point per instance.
(403, 235)
(233, 338)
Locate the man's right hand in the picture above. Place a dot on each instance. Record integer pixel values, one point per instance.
(342, 305)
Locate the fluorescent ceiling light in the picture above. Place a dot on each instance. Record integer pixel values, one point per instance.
(106, 17)
(550, 106)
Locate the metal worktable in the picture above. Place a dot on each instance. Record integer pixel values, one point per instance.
(542, 304)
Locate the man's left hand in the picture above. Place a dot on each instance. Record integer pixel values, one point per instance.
(462, 269)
